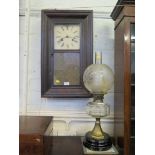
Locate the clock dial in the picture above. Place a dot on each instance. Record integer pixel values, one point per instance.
(67, 36)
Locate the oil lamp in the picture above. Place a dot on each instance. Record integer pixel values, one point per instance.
(98, 79)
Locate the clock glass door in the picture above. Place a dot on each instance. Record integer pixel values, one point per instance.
(66, 69)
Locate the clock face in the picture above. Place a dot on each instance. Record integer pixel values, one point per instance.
(67, 37)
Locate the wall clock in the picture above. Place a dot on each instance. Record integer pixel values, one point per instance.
(67, 49)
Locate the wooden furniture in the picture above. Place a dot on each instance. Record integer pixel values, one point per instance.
(31, 134)
(53, 145)
(66, 51)
(124, 101)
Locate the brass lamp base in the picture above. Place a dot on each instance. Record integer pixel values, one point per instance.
(97, 140)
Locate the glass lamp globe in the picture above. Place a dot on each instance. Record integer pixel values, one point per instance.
(98, 78)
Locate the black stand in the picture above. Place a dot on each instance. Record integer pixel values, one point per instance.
(97, 144)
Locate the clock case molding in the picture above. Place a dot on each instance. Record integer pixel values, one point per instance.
(49, 18)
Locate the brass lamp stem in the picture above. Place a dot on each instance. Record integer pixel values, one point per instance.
(97, 131)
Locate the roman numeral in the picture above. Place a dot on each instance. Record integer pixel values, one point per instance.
(76, 36)
(60, 40)
(62, 44)
(74, 40)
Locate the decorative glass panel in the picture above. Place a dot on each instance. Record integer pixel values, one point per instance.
(66, 69)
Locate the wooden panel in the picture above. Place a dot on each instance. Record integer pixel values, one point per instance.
(31, 134)
(29, 149)
(126, 12)
(33, 124)
(119, 6)
(34, 139)
(64, 146)
(119, 86)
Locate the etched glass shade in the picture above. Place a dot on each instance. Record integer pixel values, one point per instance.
(98, 78)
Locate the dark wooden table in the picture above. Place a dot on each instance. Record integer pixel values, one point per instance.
(64, 145)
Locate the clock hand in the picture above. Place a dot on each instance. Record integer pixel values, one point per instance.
(73, 38)
(62, 44)
(64, 37)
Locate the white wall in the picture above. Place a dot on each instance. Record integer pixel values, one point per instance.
(70, 117)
